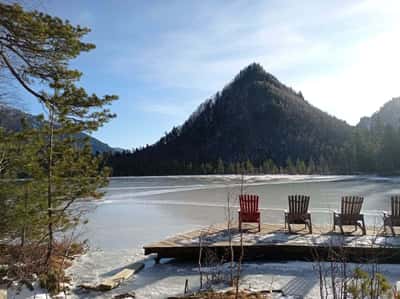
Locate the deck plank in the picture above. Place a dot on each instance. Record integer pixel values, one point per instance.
(273, 242)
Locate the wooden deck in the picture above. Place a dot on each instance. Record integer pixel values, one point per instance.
(273, 242)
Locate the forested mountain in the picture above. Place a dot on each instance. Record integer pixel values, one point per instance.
(255, 124)
(388, 114)
(10, 119)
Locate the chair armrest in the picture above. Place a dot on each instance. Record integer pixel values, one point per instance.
(385, 214)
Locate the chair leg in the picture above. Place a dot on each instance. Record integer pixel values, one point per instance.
(285, 217)
(289, 228)
(240, 225)
(363, 227)
(259, 225)
(341, 229)
(310, 226)
(392, 229)
(334, 223)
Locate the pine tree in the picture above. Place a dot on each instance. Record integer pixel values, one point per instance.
(290, 167)
(36, 47)
(311, 166)
(266, 167)
(300, 166)
(231, 168)
(55, 159)
(248, 166)
(238, 168)
(220, 167)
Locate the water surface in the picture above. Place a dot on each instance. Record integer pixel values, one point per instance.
(139, 210)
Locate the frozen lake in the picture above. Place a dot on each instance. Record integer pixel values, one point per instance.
(139, 210)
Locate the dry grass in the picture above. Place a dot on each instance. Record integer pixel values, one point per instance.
(26, 263)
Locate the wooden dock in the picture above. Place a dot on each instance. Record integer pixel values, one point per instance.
(274, 243)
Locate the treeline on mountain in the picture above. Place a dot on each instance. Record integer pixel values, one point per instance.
(368, 152)
(258, 125)
(11, 120)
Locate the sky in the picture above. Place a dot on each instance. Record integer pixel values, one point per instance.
(164, 58)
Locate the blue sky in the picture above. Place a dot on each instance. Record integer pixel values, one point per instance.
(163, 58)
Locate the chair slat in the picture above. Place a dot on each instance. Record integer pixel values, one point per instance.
(351, 205)
(248, 203)
(395, 201)
(298, 204)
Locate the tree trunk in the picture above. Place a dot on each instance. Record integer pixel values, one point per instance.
(49, 189)
(23, 231)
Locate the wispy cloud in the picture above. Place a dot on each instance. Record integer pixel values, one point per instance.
(281, 37)
(165, 58)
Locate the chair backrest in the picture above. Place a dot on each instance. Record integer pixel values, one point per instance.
(395, 201)
(298, 204)
(248, 203)
(351, 205)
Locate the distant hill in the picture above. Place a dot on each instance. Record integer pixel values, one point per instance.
(388, 114)
(10, 119)
(255, 120)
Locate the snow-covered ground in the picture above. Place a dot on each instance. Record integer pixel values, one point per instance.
(168, 278)
(297, 279)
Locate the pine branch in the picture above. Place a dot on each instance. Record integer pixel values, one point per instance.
(20, 80)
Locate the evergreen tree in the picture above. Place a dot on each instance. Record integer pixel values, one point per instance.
(290, 167)
(56, 161)
(36, 47)
(231, 168)
(390, 150)
(249, 167)
(275, 169)
(238, 168)
(220, 167)
(203, 169)
(300, 166)
(323, 167)
(311, 166)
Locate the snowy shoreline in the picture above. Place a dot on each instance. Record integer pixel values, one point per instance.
(295, 279)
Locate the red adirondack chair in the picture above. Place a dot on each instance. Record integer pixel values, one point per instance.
(249, 211)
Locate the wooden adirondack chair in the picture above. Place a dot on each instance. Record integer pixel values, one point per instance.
(350, 214)
(394, 218)
(249, 211)
(298, 212)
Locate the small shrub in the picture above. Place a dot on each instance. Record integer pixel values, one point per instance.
(364, 285)
(49, 281)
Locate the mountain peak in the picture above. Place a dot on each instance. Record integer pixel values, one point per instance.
(254, 72)
(254, 67)
(254, 118)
